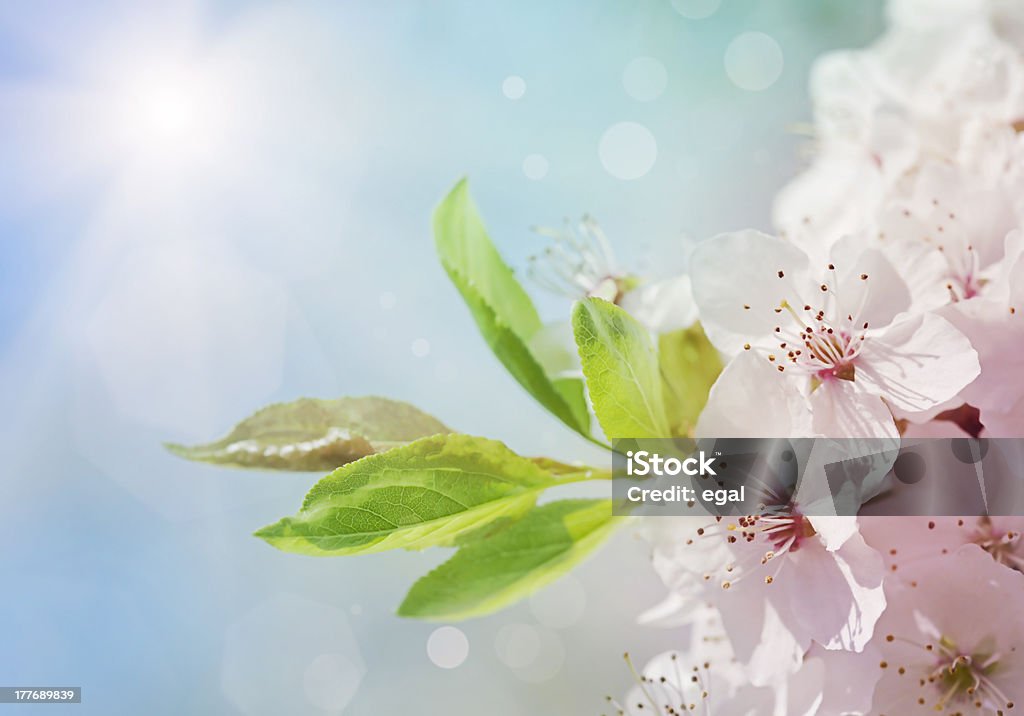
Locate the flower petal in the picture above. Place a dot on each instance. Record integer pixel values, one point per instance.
(847, 596)
(739, 280)
(751, 399)
(842, 410)
(834, 531)
(997, 335)
(663, 306)
(876, 299)
(917, 363)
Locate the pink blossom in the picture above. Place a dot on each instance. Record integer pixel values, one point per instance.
(834, 334)
(779, 582)
(950, 638)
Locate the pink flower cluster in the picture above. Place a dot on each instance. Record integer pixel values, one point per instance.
(890, 302)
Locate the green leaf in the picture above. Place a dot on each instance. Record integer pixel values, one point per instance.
(316, 435)
(424, 494)
(689, 367)
(574, 393)
(556, 467)
(489, 574)
(621, 368)
(503, 312)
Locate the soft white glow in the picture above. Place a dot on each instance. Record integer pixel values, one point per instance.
(169, 111)
(169, 118)
(239, 136)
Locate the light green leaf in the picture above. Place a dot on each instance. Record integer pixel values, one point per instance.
(489, 574)
(574, 393)
(316, 435)
(689, 367)
(621, 368)
(424, 494)
(503, 312)
(556, 467)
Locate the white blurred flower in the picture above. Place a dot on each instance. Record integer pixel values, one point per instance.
(707, 679)
(579, 263)
(663, 305)
(1005, 17)
(675, 683)
(948, 236)
(926, 91)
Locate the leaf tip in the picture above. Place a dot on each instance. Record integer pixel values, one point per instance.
(460, 188)
(178, 449)
(268, 533)
(404, 611)
(410, 609)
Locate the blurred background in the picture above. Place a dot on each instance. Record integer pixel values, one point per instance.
(210, 205)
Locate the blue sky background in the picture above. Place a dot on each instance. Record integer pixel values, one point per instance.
(165, 274)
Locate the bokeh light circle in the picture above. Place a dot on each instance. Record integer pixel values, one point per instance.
(627, 150)
(645, 79)
(753, 61)
(535, 167)
(329, 681)
(517, 645)
(514, 87)
(447, 647)
(420, 347)
(696, 9)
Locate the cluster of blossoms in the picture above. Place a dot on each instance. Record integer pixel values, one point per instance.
(889, 303)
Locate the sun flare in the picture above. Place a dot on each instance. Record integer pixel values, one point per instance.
(168, 112)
